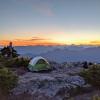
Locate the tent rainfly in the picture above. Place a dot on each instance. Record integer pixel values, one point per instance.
(39, 64)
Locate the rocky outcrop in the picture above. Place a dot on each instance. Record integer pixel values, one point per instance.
(61, 83)
(43, 86)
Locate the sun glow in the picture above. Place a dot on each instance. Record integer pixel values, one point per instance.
(57, 38)
(48, 42)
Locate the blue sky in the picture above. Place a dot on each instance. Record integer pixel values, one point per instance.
(24, 19)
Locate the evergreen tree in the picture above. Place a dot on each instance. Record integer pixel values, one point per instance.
(9, 52)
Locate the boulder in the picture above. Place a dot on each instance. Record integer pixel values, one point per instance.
(47, 86)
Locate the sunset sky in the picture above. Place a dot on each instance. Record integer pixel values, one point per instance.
(50, 22)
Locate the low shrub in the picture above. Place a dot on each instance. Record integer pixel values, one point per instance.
(7, 80)
(17, 62)
(92, 75)
(96, 97)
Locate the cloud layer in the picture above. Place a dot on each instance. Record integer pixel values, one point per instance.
(33, 41)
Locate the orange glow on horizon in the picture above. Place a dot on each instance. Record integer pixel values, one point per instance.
(45, 43)
(57, 38)
(29, 42)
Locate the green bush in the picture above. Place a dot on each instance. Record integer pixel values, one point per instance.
(17, 62)
(9, 52)
(7, 80)
(92, 75)
(96, 97)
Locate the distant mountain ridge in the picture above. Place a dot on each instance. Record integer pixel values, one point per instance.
(62, 53)
(88, 54)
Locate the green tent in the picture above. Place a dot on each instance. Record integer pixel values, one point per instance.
(39, 64)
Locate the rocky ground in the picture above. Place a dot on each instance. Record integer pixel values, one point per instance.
(62, 83)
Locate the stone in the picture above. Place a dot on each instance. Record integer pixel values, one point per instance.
(47, 85)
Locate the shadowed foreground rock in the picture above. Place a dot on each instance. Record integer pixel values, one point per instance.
(46, 86)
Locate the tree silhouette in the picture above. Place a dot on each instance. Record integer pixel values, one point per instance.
(9, 52)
